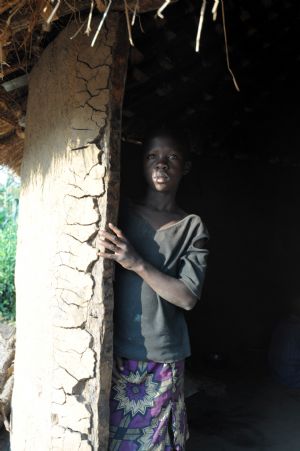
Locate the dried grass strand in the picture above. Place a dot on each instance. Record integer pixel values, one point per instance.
(88, 25)
(200, 25)
(141, 26)
(163, 6)
(226, 49)
(134, 12)
(7, 5)
(78, 31)
(214, 10)
(2, 61)
(15, 10)
(72, 7)
(49, 20)
(101, 23)
(128, 23)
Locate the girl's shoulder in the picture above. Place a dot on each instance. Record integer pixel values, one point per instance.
(195, 226)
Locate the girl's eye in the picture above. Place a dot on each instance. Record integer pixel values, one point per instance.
(173, 156)
(150, 156)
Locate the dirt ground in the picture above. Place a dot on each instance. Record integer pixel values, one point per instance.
(250, 412)
(255, 414)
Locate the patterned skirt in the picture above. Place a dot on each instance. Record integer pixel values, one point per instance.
(147, 410)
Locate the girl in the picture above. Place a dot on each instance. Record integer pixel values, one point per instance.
(161, 255)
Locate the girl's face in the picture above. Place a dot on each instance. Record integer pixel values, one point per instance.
(164, 164)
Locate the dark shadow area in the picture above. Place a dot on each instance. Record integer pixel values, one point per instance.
(253, 412)
(245, 186)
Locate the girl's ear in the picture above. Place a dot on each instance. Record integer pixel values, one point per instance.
(187, 167)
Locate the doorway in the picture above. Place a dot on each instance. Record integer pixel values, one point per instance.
(245, 185)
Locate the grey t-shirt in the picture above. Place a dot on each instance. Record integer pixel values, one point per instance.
(147, 327)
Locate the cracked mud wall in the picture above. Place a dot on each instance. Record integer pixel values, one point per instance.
(70, 188)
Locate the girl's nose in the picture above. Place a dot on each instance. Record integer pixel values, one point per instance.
(162, 164)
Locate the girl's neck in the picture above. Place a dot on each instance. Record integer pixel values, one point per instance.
(160, 201)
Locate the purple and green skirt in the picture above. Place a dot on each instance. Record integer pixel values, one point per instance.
(147, 410)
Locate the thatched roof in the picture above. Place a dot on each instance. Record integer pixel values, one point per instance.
(168, 79)
(11, 132)
(26, 27)
(23, 35)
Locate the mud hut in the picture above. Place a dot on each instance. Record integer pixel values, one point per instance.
(68, 99)
(64, 300)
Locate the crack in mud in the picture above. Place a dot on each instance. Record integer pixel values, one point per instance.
(66, 296)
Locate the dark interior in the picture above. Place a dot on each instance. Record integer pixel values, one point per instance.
(245, 186)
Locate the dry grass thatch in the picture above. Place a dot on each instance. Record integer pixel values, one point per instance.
(23, 27)
(11, 132)
(24, 24)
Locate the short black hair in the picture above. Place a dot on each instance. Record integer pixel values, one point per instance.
(175, 132)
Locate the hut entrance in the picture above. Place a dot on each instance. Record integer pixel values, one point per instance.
(245, 186)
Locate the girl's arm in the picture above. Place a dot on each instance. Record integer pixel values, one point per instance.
(169, 288)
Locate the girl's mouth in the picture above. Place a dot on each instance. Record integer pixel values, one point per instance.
(161, 177)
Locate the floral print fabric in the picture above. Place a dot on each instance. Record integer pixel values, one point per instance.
(147, 410)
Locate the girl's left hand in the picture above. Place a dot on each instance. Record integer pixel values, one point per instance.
(123, 252)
